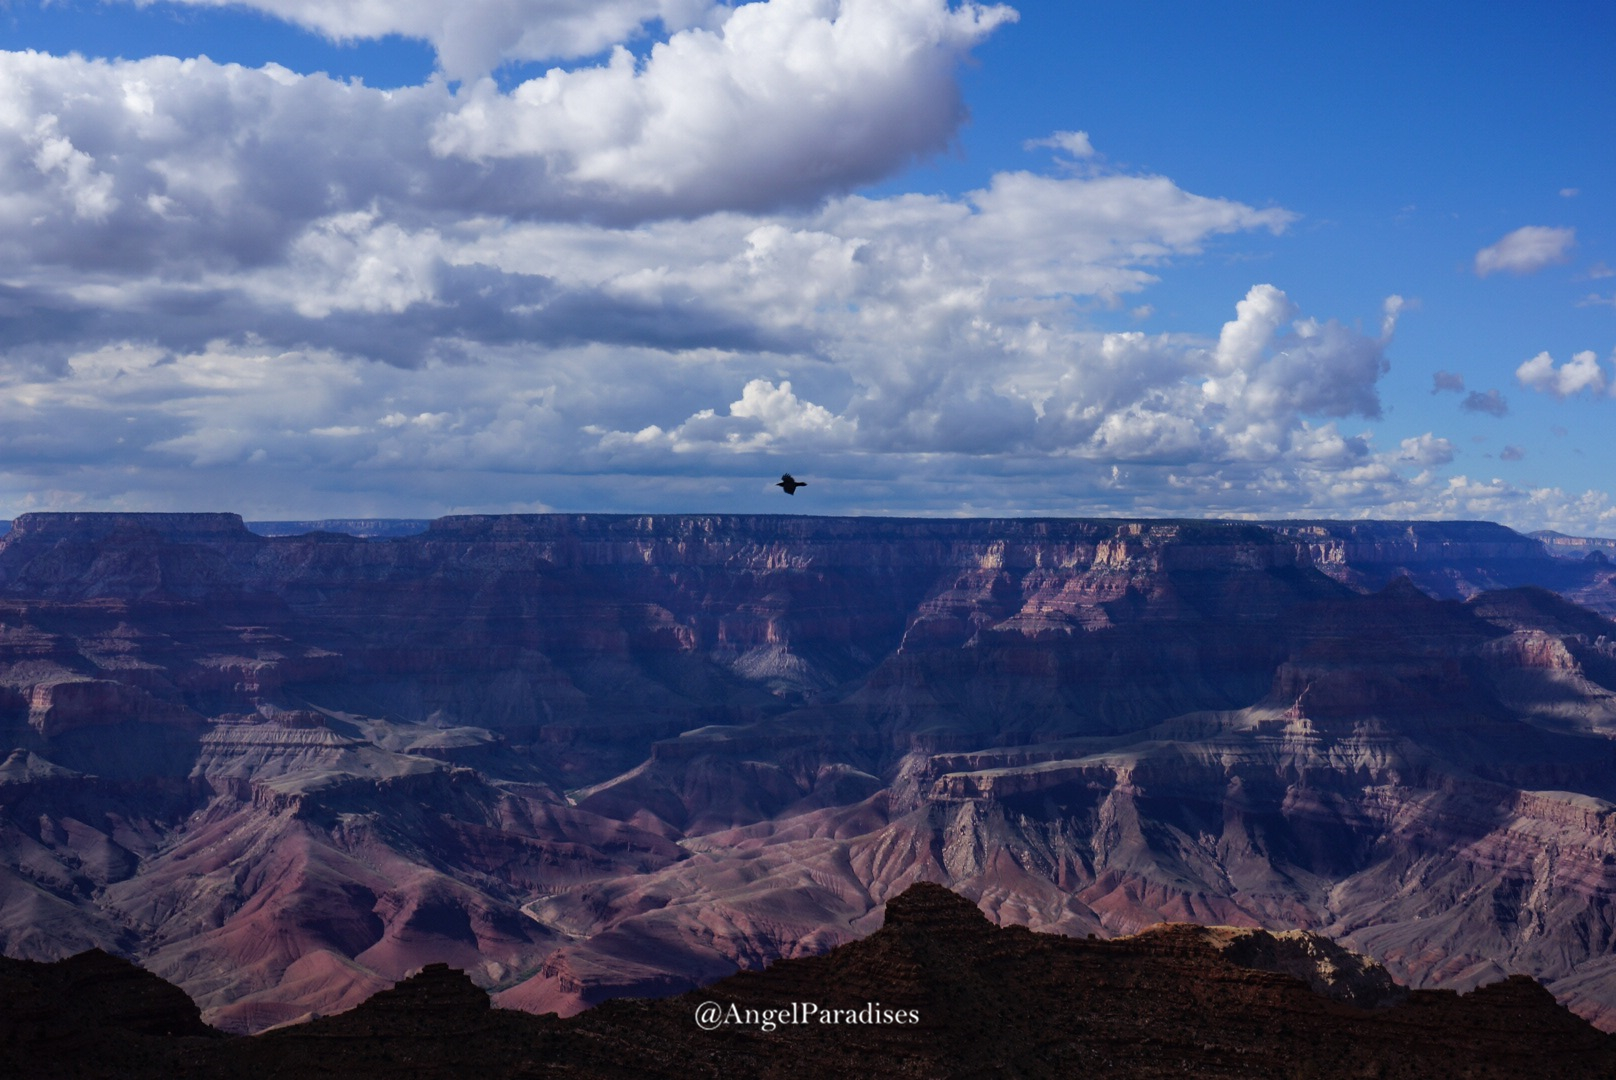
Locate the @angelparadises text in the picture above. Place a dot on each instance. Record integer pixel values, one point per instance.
(711, 1015)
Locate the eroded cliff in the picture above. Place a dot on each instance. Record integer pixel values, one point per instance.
(586, 756)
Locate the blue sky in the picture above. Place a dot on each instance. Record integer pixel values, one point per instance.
(1256, 259)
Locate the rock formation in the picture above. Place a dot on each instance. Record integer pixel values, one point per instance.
(937, 991)
(581, 757)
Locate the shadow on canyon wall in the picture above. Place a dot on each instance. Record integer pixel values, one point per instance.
(586, 757)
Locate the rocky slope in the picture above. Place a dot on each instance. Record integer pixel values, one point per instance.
(937, 991)
(1575, 547)
(581, 757)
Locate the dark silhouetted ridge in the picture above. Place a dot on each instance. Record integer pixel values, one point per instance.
(937, 992)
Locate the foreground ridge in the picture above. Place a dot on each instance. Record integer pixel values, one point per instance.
(960, 998)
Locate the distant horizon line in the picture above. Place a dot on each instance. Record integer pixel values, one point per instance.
(379, 527)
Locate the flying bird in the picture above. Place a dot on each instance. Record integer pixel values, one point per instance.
(791, 485)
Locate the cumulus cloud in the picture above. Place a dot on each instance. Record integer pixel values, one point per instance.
(1492, 403)
(1580, 373)
(784, 102)
(1511, 453)
(1447, 380)
(71, 171)
(637, 283)
(1427, 450)
(1264, 376)
(260, 430)
(350, 262)
(1526, 250)
(767, 417)
(271, 203)
(473, 36)
(866, 330)
(385, 336)
(1258, 395)
(128, 164)
(1588, 513)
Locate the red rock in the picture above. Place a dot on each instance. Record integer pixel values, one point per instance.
(285, 771)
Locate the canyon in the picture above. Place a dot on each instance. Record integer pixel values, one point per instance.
(587, 757)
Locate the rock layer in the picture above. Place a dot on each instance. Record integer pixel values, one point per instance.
(581, 757)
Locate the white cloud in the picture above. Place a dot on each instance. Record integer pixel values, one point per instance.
(1589, 513)
(787, 100)
(1581, 372)
(1074, 144)
(867, 331)
(72, 170)
(1241, 344)
(1141, 433)
(1391, 309)
(473, 36)
(1020, 388)
(782, 103)
(637, 285)
(350, 262)
(266, 431)
(781, 413)
(288, 413)
(767, 417)
(1526, 250)
(126, 166)
(1427, 450)
(1111, 220)
(1265, 379)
